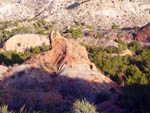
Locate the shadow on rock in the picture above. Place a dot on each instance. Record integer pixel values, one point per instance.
(42, 90)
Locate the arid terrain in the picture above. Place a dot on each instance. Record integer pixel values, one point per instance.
(74, 56)
(99, 13)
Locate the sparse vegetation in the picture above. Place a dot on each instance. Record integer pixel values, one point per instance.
(11, 57)
(77, 23)
(68, 36)
(130, 72)
(114, 26)
(9, 29)
(75, 33)
(90, 27)
(99, 35)
(83, 106)
(4, 109)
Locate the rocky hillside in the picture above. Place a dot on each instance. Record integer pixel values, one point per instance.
(100, 13)
(60, 75)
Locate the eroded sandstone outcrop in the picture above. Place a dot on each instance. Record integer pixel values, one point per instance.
(59, 75)
(143, 34)
(3, 69)
(65, 52)
(23, 42)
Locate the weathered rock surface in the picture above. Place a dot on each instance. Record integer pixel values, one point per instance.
(59, 75)
(102, 13)
(23, 42)
(3, 69)
(15, 11)
(124, 53)
(97, 42)
(143, 34)
(65, 52)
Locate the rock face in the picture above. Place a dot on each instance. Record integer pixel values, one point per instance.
(60, 75)
(124, 53)
(8, 11)
(3, 69)
(97, 42)
(143, 34)
(104, 13)
(65, 52)
(23, 42)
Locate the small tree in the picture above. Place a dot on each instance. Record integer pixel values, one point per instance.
(135, 46)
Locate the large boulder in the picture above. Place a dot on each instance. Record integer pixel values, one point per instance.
(60, 75)
(23, 42)
(143, 34)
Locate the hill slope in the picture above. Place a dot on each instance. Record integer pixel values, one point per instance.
(101, 13)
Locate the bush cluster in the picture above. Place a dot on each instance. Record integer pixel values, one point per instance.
(9, 29)
(11, 57)
(131, 72)
(74, 33)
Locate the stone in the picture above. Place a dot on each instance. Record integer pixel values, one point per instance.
(143, 35)
(103, 13)
(23, 42)
(15, 11)
(3, 69)
(71, 61)
(61, 74)
(124, 53)
(65, 52)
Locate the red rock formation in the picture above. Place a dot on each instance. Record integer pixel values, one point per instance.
(143, 34)
(61, 74)
(63, 52)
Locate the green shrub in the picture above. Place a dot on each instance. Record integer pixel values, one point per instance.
(45, 48)
(35, 50)
(49, 27)
(41, 23)
(99, 35)
(23, 29)
(68, 36)
(127, 71)
(11, 57)
(70, 30)
(135, 46)
(90, 27)
(16, 23)
(83, 106)
(76, 33)
(122, 44)
(114, 26)
(31, 19)
(77, 23)
(40, 31)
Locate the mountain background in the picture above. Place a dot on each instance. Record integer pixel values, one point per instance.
(65, 56)
(100, 13)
